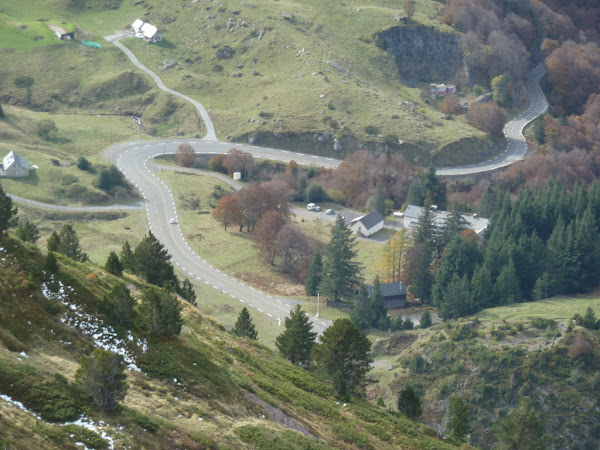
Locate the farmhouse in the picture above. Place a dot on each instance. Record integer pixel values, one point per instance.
(368, 224)
(412, 214)
(146, 31)
(14, 165)
(394, 294)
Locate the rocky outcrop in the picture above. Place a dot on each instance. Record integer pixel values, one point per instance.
(423, 54)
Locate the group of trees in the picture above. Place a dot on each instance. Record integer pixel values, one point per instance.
(8, 212)
(542, 244)
(67, 243)
(152, 262)
(232, 161)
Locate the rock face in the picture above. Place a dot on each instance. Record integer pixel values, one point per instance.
(424, 54)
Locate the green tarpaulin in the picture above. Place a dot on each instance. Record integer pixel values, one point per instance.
(91, 44)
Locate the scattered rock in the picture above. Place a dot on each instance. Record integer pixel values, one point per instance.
(337, 146)
(168, 65)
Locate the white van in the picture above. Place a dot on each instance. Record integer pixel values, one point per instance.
(311, 206)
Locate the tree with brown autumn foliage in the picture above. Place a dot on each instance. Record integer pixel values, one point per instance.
(186, 156)
(227, 212)
(266, 232)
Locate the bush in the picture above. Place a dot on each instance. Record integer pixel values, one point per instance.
(87, 437)
(83, 164)
(144, 421)
(464, 332)
(46, 129)
(541, 323)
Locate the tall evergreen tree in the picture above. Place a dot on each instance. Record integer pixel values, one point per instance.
(53, 240)
(8, 212)
(113, 265)
(28, 232)
(423, 278)
(68, 244)
(409, 402)
(425, 321)
(362, 312)
(521, 429)
(453, 225)
(315, 273)
(507, 288)
(152, 261)
(119, 305)
(51, 264)
(102, 376)
(186, 290)
(380, 318)
(126, 256)
(481, 288)
(457, 300)
(341, 273)
(343, 357)
(160, 312)
(244, 327)
(458, 418)
(297, 340)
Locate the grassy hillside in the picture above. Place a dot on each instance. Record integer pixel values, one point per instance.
(203, 389)
(276, 73)
(530, 349)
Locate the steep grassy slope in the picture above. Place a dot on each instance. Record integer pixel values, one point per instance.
(287, 74)
(530, 349)
(203, 389)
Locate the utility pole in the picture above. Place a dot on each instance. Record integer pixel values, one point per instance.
(318, 302)
(279, 315)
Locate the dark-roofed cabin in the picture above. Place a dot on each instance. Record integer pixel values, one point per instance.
(368, 224)
(394, 294)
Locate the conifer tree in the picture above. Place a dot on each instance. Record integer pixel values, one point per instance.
(187, 292)
(119, 305)
(68, 244)
(126, 256)
(102, 375)
(457, 299)
(315, 273)
(341, 273)
(152, 261)
(113, 265)
(452, 227)
(521, 429)
(409, 402)
(8, 212)
(482, 288)
(425, 321)
(507, 288)
(160, 312)
(458, 418)
(28, 232)
(297, 340)
(362, 312)
(53, 241)
(51, 264)
(378, 308)
(244, 327)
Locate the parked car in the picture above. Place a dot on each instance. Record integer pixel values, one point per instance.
(317, 208)
(173, 220)
(311, 206)
(330, 211)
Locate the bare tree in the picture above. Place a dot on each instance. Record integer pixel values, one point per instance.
(266, 234)
(293, 250)
(450, 105)
(186, 156)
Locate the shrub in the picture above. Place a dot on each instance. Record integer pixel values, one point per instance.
(87, 437)
(147, 423)
(464, 332)
(83, 164)
(541, 323)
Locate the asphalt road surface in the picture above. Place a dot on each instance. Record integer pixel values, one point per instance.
(513, 131)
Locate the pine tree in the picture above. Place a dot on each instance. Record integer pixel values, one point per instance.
(409, 402)
(244, 327)
(28, 232)
(378, 307)
(341, 273)
(8, 212)
(68, 244)
(297, 340)
(53, 241)
(425, 321)
(423, 278)
(343, 357)
(454, 224)
(521, 429)
(362, 312)
(458, 418)
(160, 312)
(51, 264)
(482, 288)
(457, 299)
(315, 272)
(113, 265)
(119, 305)
(187, 292)
(152, 261)
(102, 375)
(507, 288)
(126, 256)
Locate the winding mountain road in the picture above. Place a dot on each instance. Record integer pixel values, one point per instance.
(513, 132)
(134, 160)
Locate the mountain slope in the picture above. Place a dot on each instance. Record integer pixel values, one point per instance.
(202, 389)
